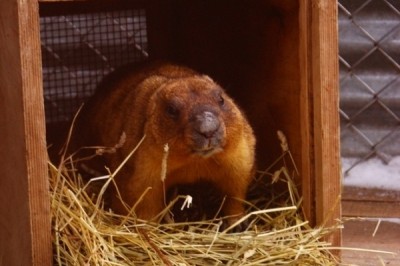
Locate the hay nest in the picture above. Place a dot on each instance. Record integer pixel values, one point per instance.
(86, 233)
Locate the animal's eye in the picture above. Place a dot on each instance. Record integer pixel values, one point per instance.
(172, 111)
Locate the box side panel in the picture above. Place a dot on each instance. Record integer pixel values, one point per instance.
(325, 99)
(24, 199)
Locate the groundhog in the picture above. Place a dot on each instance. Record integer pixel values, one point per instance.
(183, 118)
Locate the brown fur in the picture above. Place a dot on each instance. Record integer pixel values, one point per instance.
(168, 104)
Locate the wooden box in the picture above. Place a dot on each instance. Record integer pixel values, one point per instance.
(278, 58)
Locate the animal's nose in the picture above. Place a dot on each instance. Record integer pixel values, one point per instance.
(206, 124)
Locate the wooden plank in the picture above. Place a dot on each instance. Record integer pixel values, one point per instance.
(370, 202)
(307, 174)
(379, 209)
(25, 236)
(325, 100)
(360, 234)
(370, 194)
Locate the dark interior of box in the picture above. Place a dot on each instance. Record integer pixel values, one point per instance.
(250, 47)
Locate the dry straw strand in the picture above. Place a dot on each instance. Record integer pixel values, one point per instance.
(87, 234)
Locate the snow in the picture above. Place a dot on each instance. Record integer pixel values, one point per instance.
(390, 220)
(373, 173)
(377, 220)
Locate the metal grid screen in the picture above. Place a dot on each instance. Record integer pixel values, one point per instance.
(369, 48)
(78, 50)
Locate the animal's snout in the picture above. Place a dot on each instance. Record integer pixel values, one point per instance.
(207, 132)
(207, 124)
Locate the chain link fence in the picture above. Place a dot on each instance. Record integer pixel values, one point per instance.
(369, 55)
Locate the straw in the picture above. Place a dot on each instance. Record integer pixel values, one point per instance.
(86, 233)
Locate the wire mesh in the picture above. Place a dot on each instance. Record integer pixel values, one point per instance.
(369, 55)
(78, 50)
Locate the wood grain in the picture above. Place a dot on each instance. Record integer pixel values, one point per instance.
(25, 237)
(325, 100)
(360, 234)
(351, 193)
(369, 202)
(377, 209)
(305, 104)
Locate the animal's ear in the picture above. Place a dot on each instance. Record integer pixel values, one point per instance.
(207, 78)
